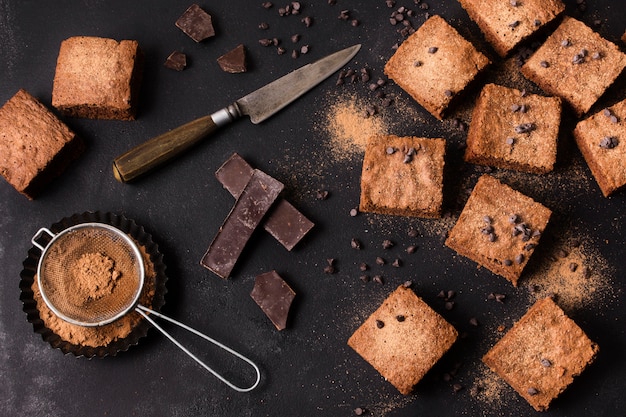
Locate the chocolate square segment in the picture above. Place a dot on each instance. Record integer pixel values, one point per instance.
(403, 339)
(284, 222)
(258, 196)
(542, 354)
(274, 296)
(514, 130)
(435, 64)
(196, 23)
(576, 64)
(499, 228)
(601, 139)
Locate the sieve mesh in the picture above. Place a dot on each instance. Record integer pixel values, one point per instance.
(91, 274)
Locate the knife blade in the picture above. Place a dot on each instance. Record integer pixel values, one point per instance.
(258, 105)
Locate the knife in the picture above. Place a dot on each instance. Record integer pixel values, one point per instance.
(259, 105)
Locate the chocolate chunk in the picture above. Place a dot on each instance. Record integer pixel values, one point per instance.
(284, 222)
(274, 297)
(234, 61)
(252, 205)
(176, 61)
(196, 23)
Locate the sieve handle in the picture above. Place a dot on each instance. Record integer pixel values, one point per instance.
(39, 234)
(142, 310)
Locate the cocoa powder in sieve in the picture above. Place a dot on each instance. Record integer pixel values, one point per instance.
(95, 276)
(103, 335)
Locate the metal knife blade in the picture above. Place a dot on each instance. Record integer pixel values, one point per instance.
(259, 105)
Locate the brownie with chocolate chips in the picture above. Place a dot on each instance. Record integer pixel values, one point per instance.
(542, 354)
(435, 64)
(514, 130)
(601, 139)
(507, 23)
(576, 64)
(403, 176)
(499, 228)
(403, 339)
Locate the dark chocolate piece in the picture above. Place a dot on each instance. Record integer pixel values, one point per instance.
(274, 297)
(176, 61)
(284, 222)
(234, 61)
(196, 23)
(250, 208)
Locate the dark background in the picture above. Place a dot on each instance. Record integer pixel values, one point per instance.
(307, 369)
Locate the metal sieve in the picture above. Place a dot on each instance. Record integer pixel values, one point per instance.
(103, 300)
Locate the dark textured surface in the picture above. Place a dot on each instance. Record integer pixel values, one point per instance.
(307, 368)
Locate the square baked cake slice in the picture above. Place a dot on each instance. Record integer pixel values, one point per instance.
(403, 339)
(601, 139)
(514, 130)
(403, 176)
(499, 228)
(97, 78)
(507, 23)
(541, 354)
(35, 145)
(576, 64)
(435, 64)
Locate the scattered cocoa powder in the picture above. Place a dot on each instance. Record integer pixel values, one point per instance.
(103, 335)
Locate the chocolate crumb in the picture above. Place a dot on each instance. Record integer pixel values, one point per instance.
(473, 321)
(387, 244)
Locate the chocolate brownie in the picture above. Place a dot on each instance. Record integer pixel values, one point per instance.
(98, 78)
(576, 64)
(601, 139)
(403, 176)
(541, 354)
(35, 146)
(498, 228)
(507, 23)
(403, 339)
(514, 130)
(435, 64)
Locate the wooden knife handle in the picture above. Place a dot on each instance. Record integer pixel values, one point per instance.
(160, 149)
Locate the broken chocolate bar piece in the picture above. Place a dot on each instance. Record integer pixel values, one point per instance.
(176, 61)
(284, 222)
(196, 23)
(255, 200)
(234, 61)
(274, 297)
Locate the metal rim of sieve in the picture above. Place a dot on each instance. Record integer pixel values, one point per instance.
(123, 239)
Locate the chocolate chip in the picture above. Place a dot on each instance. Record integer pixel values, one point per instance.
(387, 244)
(515, 107)
(264, 26)
(565, 43)
(353, 212)
(507, 262)
(411, 249)
(537, 22)
(380, 324)
(432, 49)
(519, 258)
(304, 49)
(596, 55)
(546, 363)
(525, 128)
(295, 38)
(321, 194)
(513, 218)
(267, 5)
(532, 391)
(544, 64)
(407, 284)
(294, 54)
(609, 142)
(378, 279)
(514, 24)
(449, 305)
(266, 42)
(573, 266)
(510, 141)
(448, 93)
(355, 244)
(344, 15)
(417, 63)
(400, 318)
(407, 158)
(514, 3)
(473, 321)
(308, 21)
(364, 278)
(396, 263)
(380, 261)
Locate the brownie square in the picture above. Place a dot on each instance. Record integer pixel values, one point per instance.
(35, 146)
(507, 23)
(403, 339)
(601, 139)
(576, 64)
(514, 130)
(403, 176)
(435, 64)
(97, 78)
(498, 228)
(541, 354)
